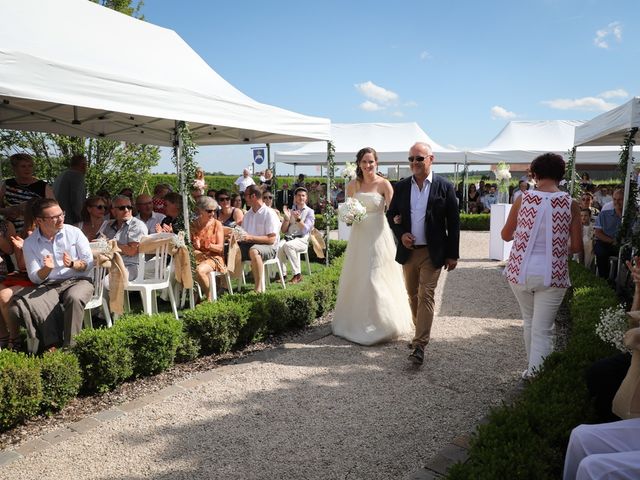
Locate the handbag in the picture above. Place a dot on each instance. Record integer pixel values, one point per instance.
(234, 257)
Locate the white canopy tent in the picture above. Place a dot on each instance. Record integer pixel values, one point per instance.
(391, 140)
(610, 128)
(519, 142)
(77, 68)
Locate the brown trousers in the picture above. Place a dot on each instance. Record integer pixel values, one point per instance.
(421, 279)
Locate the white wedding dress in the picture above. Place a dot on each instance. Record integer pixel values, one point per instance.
(372, 305)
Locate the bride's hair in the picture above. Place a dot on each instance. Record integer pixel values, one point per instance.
(359, 156)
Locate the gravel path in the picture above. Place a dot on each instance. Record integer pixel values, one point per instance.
(324, 410)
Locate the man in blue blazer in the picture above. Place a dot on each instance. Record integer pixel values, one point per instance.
(425, 219)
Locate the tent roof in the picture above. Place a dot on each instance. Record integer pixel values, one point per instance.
(611, 127)
(522, 141)
(391, 140)
(77, 68)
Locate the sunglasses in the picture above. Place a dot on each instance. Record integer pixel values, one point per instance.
(223, 199)
(100, 207)
(418, 159)
(209, 211)
(122, 208)
(268, 198)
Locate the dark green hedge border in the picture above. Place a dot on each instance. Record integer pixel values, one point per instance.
(527, 440)
(141, 345)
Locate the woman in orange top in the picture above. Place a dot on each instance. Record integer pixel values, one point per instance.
(208, 242)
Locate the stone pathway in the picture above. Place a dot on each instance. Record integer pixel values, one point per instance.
(316, 408)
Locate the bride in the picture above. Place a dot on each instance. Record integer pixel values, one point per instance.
(372, 305)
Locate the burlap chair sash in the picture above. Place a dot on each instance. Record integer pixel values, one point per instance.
(177, 249)
(107, 255)
(317, 242)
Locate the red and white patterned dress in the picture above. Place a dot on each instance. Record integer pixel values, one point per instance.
(557, 207)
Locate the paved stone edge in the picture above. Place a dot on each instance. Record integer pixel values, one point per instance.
(65, 432)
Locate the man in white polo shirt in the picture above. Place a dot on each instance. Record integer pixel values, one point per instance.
(242, 182)
(262, 226)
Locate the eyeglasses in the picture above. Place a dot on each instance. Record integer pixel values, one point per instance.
(55, 218)
(122, 208)
(418, 159)
(209, 211)
(100, 207)
(224, 199)
(268, 198)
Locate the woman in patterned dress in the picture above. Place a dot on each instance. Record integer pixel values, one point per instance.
(208, 242)
(545, 227)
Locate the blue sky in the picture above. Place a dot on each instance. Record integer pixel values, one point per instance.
(461, 70)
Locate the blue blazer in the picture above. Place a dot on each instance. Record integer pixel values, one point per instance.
(442, 220)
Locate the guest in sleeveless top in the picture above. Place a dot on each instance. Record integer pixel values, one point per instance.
(208, 242)
(540, 223)
(16, 192)
(227, 215)
(92, 213)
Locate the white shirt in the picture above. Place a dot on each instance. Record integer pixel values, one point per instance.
(419, 201)
(155, 219)
(261, 223)
(244, 182)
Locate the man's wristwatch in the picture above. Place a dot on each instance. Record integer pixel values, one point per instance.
(71, 264)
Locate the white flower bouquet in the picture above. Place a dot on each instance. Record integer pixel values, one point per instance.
(612, 326)
(238, 233)
(351, 211)
(349, 171)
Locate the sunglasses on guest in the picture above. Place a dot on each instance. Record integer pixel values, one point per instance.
(122, 208)
(418, 159)
(100, 207)
(223, 199)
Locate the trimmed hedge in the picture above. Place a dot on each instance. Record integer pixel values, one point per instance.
(216, 325)
(61, 380)
(475, 221)
(20, 388)
(528, 439)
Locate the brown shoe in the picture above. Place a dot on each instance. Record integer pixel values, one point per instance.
(297, 278)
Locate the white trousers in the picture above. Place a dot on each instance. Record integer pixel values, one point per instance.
(539, 306)
(290, 251)
(609, 450)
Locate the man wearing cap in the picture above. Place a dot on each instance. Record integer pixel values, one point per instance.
(298, 223)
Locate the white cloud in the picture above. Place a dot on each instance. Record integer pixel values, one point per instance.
(369, 106)
(584, 103)
(397, 114)
(424, 55)
(499, 112)
(411, 104)
(374, 92)
(618, 93)
(601, 39)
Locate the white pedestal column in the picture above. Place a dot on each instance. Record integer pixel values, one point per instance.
(498, 248)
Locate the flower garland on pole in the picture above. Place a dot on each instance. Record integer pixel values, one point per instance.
(570, 172)
(629, 233)
(329, 211)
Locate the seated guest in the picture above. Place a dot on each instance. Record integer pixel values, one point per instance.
(127, 231)
(313, 197)
(9, 332)
(267, 197)
(212, 193)
(606, 231)
(602, 197)
(586, 202)
(236, 201)
(173, 222)
(227, 215)
(159, 191)
(104, 193)
(298, 223)
(340, 196)
(207, 239)
(58, 260)
(144, 205)
(473, 197)
(489, 199)
(284, 197)
(262, 227)
(587, 236)
(93, 216)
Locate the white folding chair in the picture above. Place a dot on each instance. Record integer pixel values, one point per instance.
(306, 256)
(158, 279)
(213, 290)
(97, 299)
(265, 270)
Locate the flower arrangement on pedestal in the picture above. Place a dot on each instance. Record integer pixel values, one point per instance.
(503, 175)
(349, 171)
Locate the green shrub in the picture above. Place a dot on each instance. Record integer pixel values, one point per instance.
(153, 341)
(256, 327)
(188, 349)
(321, 224)
(20, 388)
(104, 357)
(217, 325)
(300, 308)
(61, 380)
(475, 221)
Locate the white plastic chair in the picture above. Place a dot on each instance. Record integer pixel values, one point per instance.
(265, 271)
(213, 290)
(159, 278)
(97, 299)
(306, 256)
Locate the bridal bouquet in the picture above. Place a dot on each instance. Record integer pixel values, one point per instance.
(351, 211)
(349, 171)
(612, 326)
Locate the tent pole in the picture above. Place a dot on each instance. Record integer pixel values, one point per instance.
(465, 182)
(573, 172)
(269, 156)
(627, 182)
(182, 183)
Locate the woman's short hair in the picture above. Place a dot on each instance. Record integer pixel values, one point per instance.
(16, 158)
(548, 165)
(206, 203)
(174, 198)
